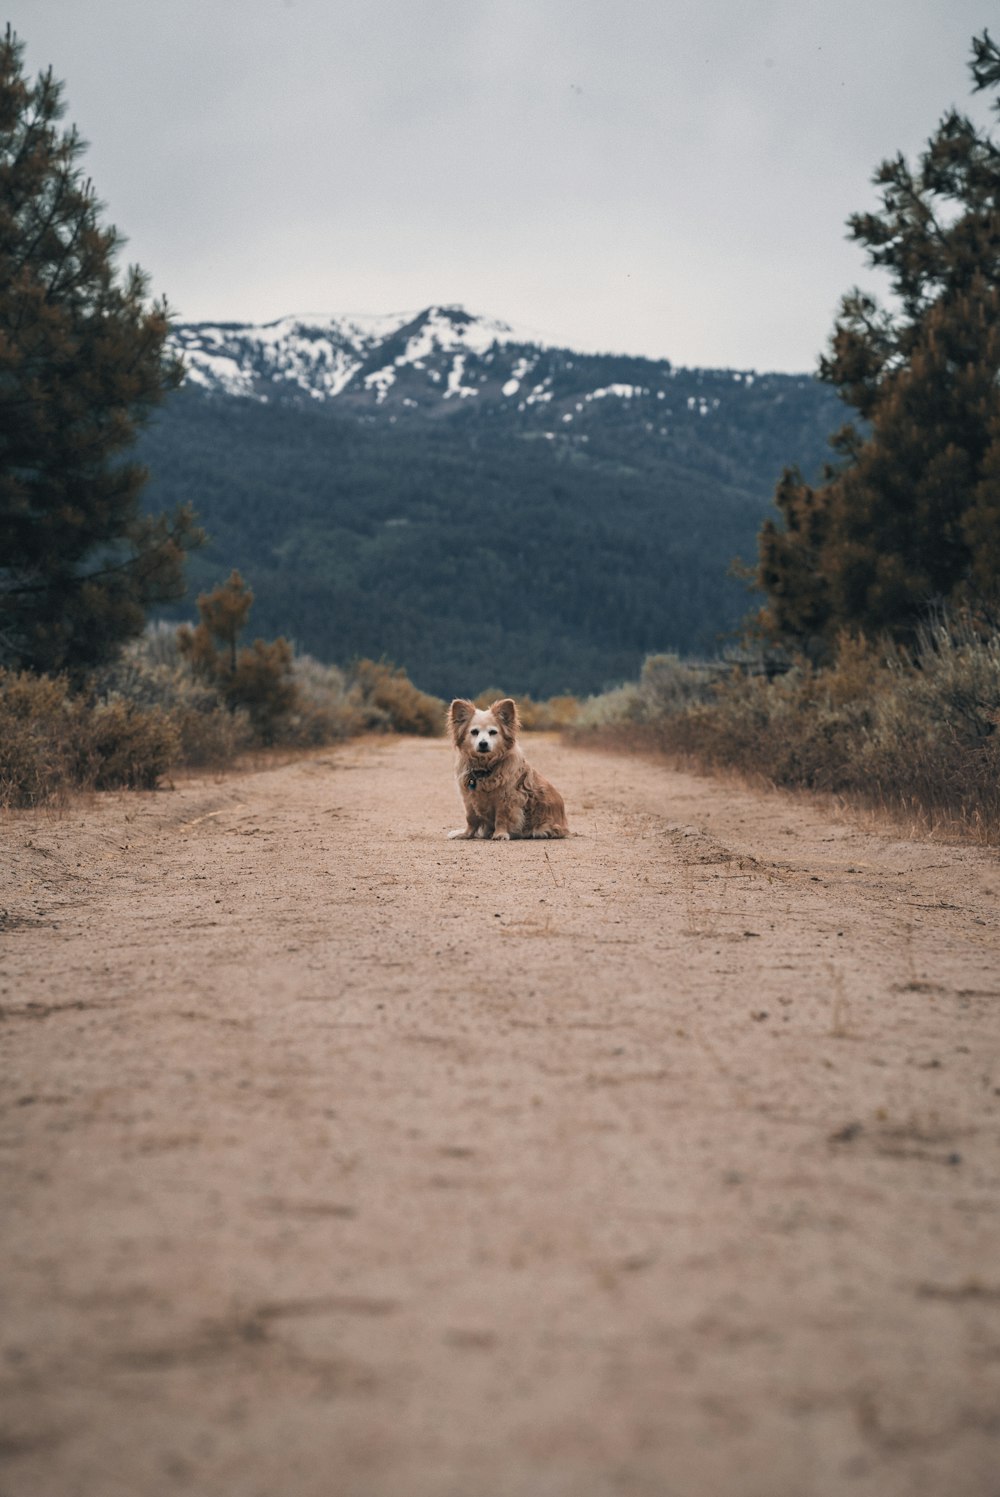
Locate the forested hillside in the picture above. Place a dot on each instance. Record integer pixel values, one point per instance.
(500, 513)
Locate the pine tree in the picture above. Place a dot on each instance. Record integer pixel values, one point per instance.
(83, 360)
(257, 678)
(908, 514)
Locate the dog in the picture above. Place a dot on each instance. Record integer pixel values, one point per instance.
(504, 797)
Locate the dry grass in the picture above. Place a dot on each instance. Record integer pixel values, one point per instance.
(914, 733)
(536, 717)
(387, 700)
(151, 712)
(52, 741)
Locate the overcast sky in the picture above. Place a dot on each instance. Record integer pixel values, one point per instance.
(665, 177)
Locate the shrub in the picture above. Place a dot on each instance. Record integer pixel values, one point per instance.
(915, 730)
(552, 714)
(388, 701)
(669, 684)
(211, 736)
(124, 745)
(256, 679)
(37, 738)
(666, 686)
(51, 741)
(541, 717)
(151, 672)
(612, 710)
(326, 709)
(263, 686)
(157, 646)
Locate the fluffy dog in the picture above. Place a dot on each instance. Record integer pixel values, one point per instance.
(503, 796)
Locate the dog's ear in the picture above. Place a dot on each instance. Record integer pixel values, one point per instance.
(458, 715)
(506, 712)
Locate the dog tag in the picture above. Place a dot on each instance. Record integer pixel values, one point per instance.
(471, 782)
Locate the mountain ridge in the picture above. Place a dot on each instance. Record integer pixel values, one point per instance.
(359, 355)
(364, 472)
(333, 348)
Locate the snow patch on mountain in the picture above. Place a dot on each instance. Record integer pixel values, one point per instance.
(452, 329)
(522, 368)
(623, 392)
(318, 356)
(381, 381)
(455, 386)
(219, 371)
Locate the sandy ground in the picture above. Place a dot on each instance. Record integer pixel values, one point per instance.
(341, 1160)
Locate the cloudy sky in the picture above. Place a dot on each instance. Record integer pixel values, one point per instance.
(665, 177)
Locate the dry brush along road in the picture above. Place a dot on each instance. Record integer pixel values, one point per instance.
(341, 1160)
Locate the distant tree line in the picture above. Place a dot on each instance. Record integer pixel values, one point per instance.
(471, 549)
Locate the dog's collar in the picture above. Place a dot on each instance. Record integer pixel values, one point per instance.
(475, 775)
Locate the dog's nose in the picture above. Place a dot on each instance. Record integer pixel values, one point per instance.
(483, 748)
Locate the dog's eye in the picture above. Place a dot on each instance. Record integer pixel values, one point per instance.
(493, 732)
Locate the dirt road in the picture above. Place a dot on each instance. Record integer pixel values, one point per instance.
(341, 1160)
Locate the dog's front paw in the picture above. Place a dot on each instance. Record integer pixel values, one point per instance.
(462, 832)
(501, 837)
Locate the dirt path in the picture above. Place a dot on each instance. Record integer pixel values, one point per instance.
(340, 1160)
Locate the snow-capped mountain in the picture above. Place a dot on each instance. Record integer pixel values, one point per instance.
(315, 356)
(432, 363)
(368, 359)
(353, 468)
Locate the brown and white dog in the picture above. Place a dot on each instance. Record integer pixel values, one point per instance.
(504, 797)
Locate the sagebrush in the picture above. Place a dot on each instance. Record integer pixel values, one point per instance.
(158, 708)
(915, 730)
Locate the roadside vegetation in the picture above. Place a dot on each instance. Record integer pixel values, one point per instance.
(191, 698)
(906, 729)
(881, 584)
(182, 697)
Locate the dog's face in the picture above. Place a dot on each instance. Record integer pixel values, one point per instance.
(483, 734)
